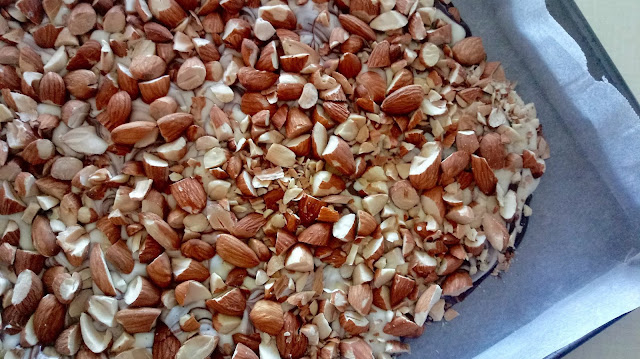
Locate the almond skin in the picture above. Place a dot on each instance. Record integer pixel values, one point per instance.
(236, 252)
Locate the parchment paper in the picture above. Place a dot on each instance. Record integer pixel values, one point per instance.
(573, 271)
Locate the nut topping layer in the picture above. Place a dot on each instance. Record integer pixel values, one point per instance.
(246, 178)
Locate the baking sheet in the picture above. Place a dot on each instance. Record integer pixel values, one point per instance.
(574, 270)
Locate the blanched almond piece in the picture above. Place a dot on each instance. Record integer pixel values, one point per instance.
(99, 271)
(236, 252)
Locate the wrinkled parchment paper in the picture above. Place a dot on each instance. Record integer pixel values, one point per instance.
(574, 270)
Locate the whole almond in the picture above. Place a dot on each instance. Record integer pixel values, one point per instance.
(267, 316)
(82, 19)
(469, 51)
(236, 252)
(404, 100)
